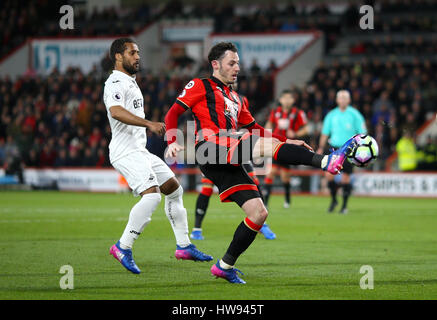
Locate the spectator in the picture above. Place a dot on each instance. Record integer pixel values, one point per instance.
(61, 159)
(89, 160)
(406, 150)
(73, 158)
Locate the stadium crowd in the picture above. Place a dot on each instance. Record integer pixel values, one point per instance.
(391, 96)
(60, 120)
(19, 20)
(416, 45)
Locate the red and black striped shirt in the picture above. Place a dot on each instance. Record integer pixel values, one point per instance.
(218, 112)
(216, 108)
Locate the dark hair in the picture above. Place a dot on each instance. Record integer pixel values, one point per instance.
(118, 46)
(217, 52)
(286, 91)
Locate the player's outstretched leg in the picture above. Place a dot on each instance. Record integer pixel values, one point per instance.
(295, 155)
(139, 217)
(177, 215)
(337, 157)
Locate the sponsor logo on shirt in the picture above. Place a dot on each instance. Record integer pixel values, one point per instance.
(138, 103)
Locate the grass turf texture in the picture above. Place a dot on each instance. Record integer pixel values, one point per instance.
(316, 256)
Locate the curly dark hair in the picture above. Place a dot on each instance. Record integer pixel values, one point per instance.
(118, 46)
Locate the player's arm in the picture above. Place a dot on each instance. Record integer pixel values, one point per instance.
(121, 114)
(171, 123)
(190, 96)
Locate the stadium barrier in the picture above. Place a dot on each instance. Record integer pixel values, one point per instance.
(390, 184)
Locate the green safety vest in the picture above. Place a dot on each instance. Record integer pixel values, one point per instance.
(407, 157)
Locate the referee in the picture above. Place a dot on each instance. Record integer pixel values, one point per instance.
(339, 125)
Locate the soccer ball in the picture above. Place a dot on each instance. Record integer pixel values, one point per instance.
(365, 152)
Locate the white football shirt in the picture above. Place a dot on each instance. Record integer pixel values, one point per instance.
(122, 90)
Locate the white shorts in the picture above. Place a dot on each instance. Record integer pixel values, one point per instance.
(143, 170)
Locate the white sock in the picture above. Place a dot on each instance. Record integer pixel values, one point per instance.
(177, 215)
(140, 215)
(224, 265)
(324, 161)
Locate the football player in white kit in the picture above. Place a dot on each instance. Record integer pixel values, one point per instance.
(146, 174)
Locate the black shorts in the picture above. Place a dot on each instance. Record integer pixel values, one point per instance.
(233, 182)
(348, 167)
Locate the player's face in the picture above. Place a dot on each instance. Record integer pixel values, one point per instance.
(131, 58)
(228, 67)
(286, 100)
(343, 99)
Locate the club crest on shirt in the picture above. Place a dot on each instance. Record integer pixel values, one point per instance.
(189, 85)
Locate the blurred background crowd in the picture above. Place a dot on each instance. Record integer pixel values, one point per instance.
(59, 120)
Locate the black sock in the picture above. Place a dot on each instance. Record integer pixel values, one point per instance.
(333, 190)
(268, 190)
(347, 190)
(243, 237)
(201, 207)
(296, 155)
(287, 192)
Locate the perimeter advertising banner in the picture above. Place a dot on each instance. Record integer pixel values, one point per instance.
(396, 184)
(102, 180)
(63, 53)
(365, 184)
(264, 47)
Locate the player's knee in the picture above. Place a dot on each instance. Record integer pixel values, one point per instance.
(178, 193)
(263, 213)
(153, 199)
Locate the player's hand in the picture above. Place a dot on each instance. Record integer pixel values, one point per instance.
(157, 127)
(299, 143)
(320, 151)
(173, 150)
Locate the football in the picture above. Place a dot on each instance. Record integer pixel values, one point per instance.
(365, 152)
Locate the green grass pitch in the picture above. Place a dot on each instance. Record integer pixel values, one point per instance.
(316, 256)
